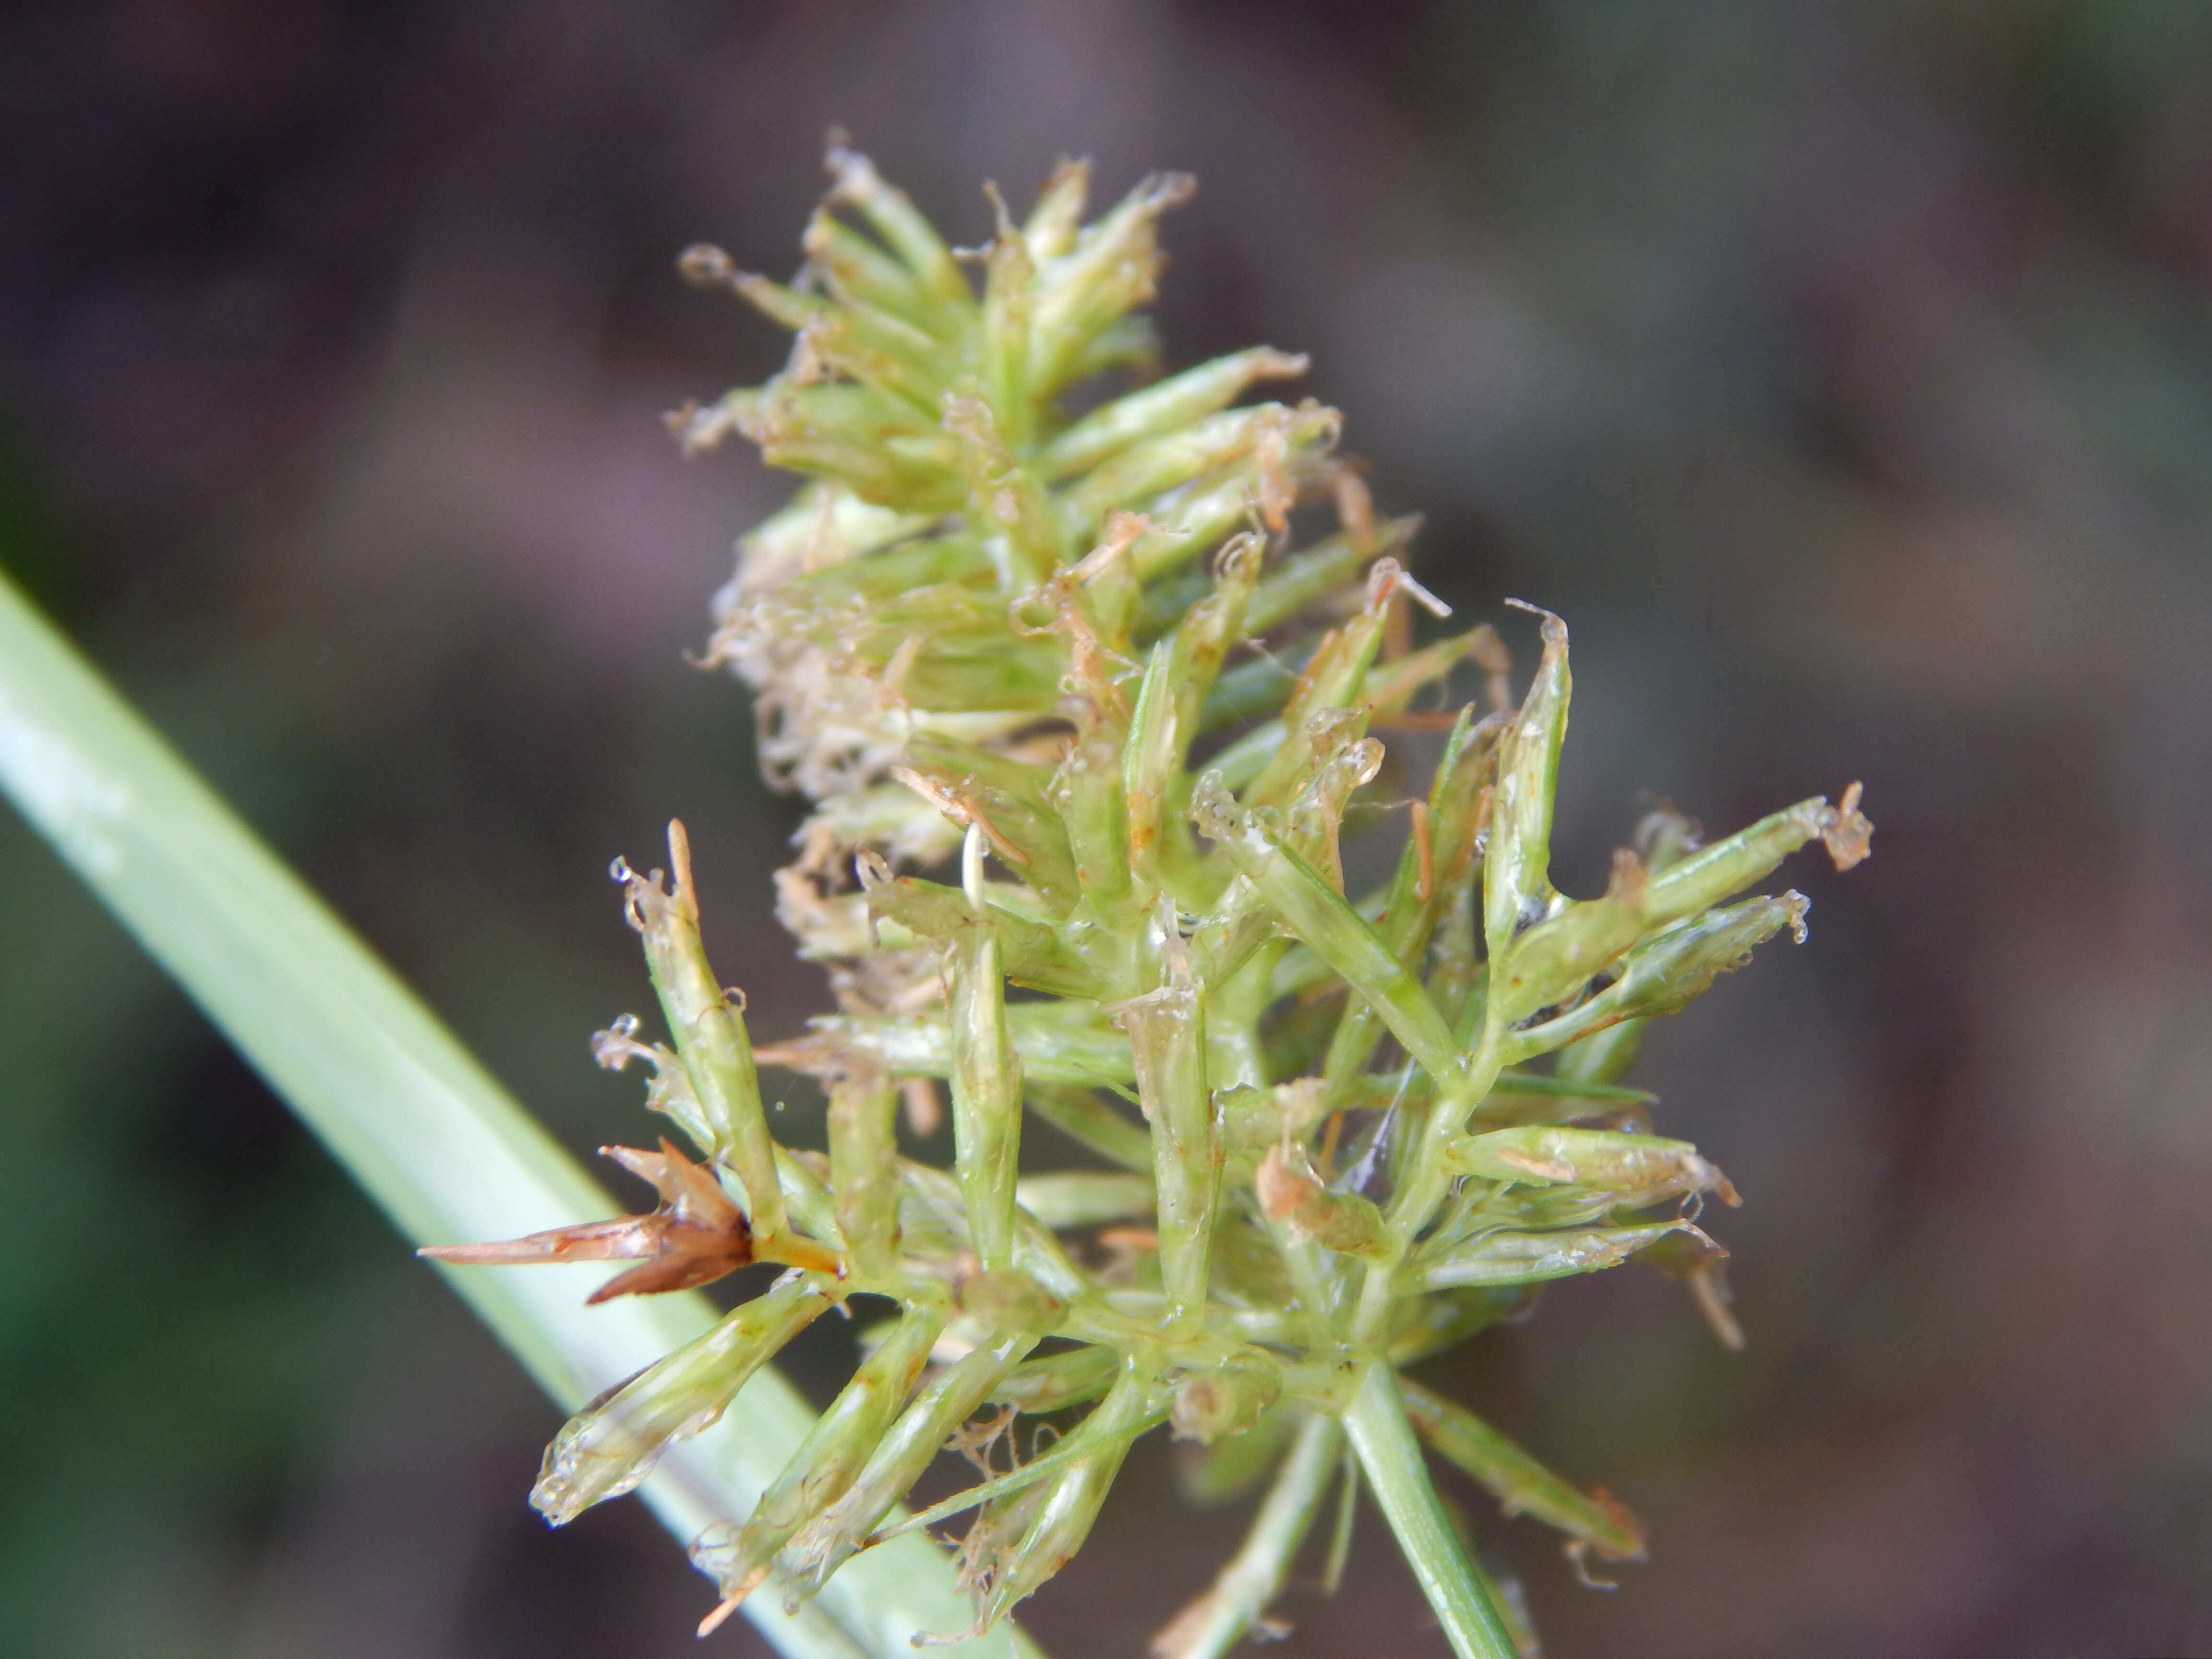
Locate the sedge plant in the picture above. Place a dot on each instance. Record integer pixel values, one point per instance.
(1088, 673)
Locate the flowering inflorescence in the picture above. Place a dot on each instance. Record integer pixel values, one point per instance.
(1101, 661)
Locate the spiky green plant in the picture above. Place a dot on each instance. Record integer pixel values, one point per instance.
(1069, 625)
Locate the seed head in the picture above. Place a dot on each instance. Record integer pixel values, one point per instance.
(1141, 668)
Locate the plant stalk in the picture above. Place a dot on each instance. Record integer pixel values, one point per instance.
(1254, 1577)
(1391, 1459)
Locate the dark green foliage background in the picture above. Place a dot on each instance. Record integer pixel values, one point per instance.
(1842, 372)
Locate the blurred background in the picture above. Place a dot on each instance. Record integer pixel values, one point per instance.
(1842, 372)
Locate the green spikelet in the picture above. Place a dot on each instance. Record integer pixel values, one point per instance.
(1086, 673)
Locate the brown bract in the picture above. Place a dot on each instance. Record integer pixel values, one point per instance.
(697, 1236)
(1849, 837)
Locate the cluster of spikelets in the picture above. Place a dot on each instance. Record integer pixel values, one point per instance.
(1124, 665)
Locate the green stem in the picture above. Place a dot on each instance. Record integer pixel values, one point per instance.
(1392, 1460)
(1167, 1037)
(1240, 1593)
(436, 1142)
(987, 1079)
(1426, 1183)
